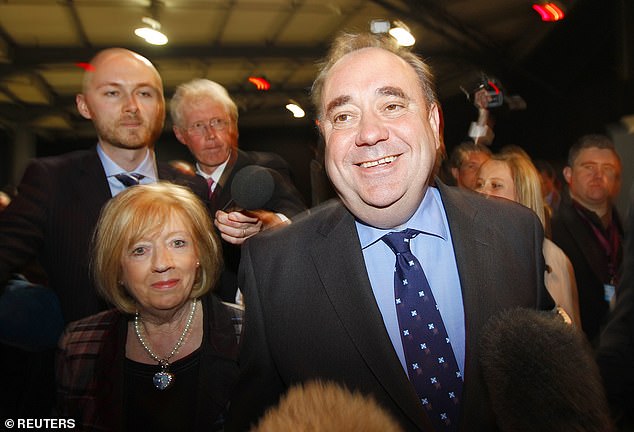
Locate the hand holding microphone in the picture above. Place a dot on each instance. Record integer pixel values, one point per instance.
(252, 187)
(242, 217)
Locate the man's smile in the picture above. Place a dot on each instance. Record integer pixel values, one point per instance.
(383, 161)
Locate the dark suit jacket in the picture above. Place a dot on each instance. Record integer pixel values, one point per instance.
(311, 313)
(90, 368)
(286, 199)
(53, 218)
(589, 261)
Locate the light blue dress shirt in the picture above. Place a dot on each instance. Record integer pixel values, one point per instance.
(147, 167)
(434, 249)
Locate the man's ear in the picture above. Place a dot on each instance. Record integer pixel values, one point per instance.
(434, 120)
(82, 106)
(454, 173)
(179, 134)
(567, 174)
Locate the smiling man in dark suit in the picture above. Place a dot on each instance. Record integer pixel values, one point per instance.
(321, 296)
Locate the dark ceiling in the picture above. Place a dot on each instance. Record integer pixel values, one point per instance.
(574, 75)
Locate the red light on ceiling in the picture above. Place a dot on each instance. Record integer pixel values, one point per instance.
(85, 66)
(260, 83)
(549, 11)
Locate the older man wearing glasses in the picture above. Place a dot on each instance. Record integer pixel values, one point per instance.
(205, 119)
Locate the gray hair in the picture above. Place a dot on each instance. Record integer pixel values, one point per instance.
(347, 43)
(200, 89)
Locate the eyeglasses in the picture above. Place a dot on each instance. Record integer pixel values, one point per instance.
(200, 127)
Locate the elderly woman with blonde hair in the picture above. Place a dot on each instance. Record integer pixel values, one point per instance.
(513, 176)
(165, 358)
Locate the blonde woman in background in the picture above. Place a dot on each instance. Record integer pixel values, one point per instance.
(513, 176)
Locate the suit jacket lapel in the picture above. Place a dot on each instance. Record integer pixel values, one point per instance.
(236, 161)
(583, 237)
(472, 251)
(476, 258)
(339, 261)
(92, 185)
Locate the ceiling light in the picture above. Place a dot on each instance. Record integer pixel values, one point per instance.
(379, 26)
(401, 33)
(398, 31)
(260, 83)
(85, 66)
(151, 33)
(549, 12)
(294, 107)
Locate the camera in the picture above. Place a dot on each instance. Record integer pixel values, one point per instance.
(494, 91)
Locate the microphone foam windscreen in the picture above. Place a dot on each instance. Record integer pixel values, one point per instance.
(541, 374)
(252, 187)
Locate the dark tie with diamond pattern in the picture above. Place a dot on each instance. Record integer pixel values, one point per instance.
(431, 363)
(129, 179)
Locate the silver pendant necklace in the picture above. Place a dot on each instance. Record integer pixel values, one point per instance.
(164, 378)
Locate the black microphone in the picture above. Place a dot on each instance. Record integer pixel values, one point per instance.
(541, 374)
(252, 187)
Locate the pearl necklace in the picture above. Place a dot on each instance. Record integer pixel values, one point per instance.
(164, 377)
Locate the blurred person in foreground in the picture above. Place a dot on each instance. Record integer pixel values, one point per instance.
(514, 177)
(587, 227)
(324, 298)
(165, 358)
(206, 121)
(326, 406)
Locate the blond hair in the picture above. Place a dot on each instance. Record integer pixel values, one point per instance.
(317, 406)
(140, 211)
(528, 186)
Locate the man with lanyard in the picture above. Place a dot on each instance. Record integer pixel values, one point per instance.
(588, 229)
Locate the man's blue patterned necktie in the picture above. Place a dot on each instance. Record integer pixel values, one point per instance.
(431, 363)
(129, 179)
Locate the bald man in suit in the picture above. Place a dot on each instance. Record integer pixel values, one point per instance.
(60, 197)
(52, 218)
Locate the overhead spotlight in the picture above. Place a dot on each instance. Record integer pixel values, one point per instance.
(294, 107)
(401, 33)
(260, 83)
(398, 31)
(151, 32)
(549, 11)
(379, 26)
